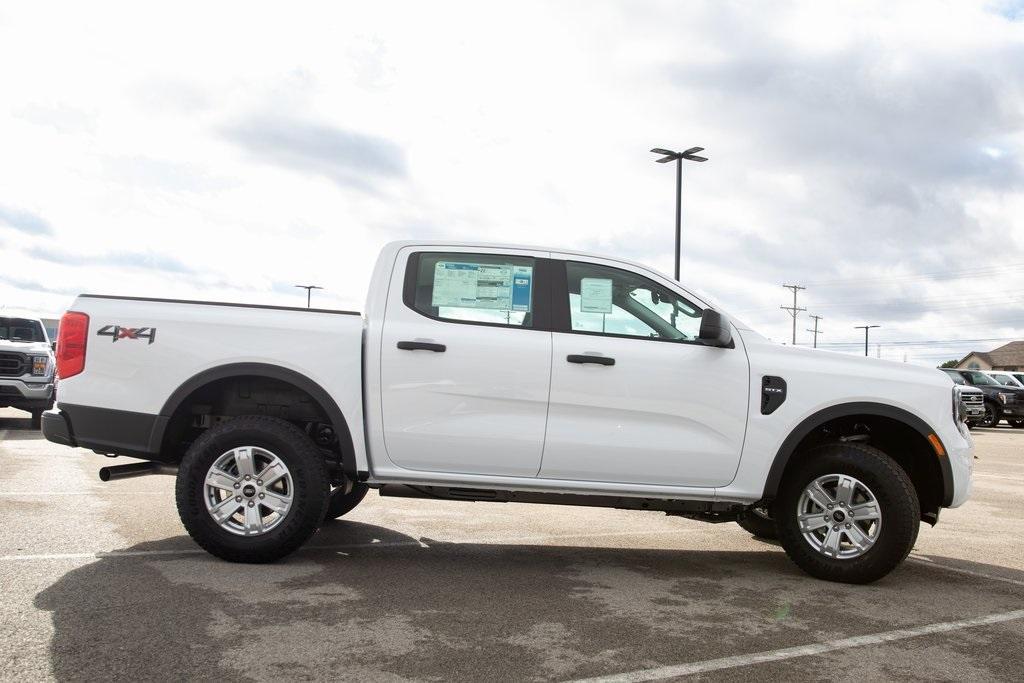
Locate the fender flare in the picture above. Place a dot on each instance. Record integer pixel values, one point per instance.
(319, 394)
(809, 424)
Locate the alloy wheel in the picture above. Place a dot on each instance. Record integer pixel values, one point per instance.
(248, 491)
(839, 516)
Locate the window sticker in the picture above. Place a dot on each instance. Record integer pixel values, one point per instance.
(482, 285)
(595, 295)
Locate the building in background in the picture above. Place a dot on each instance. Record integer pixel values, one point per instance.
(1006, 357)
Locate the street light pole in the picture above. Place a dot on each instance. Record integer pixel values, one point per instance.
(309, 291)
(865, 328)
(669, 155)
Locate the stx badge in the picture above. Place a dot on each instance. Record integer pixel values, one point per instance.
(116, 332)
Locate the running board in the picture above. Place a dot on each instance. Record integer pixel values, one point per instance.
(695, 509)
(135, 469)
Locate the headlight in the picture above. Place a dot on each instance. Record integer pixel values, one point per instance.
(958, 412)
(39, 364)
(1003, 397)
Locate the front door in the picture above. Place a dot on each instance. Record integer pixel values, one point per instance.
(634, 397)
(466, 362)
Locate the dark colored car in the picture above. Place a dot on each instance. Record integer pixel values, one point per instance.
(1001, 402)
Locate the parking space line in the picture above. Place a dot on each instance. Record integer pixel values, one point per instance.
(922, 560)
(809, 650)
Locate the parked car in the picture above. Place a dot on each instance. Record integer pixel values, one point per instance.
(1001, 402)
(1005, 378)
(26, 365)
(972, 402)
(510, 374)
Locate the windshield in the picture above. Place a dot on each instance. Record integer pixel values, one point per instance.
(21, 329)
(955, 376)
(981, 378)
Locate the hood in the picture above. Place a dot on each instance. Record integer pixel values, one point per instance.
(765, 354)
(25, 347)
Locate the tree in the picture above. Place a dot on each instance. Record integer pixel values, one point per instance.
(949, 364)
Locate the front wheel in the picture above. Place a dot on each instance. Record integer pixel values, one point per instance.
(991, 418)
(252, 489)
(342, 503)
(758, 521)
(37, 419)
(847, 512)
(1017, 423)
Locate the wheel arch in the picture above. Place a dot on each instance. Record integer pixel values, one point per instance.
(211, 376)
(791, 447)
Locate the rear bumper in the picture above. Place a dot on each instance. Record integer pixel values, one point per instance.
(115, 432)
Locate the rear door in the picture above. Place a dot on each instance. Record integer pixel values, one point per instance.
(634, 397)
(466, 361)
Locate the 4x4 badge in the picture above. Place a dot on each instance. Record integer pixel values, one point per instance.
(116, 332)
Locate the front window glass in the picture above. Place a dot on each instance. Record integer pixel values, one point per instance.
(617, 302)
(21, 329)
(476, 288)
(1003, 379)
(981, 378)
(955, 376)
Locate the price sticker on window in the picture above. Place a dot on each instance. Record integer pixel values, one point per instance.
(595, 295)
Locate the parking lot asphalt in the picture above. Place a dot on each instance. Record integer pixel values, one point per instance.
(100, 582)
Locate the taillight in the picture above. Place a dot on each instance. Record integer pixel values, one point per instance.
(74, 330)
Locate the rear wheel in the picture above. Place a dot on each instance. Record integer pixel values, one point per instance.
(252, 489)
(759, 522)
(342, 503)
(848, 513)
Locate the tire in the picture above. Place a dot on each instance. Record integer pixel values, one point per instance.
(759, 523)
(1017, 423)
(37, 419)
(342, 503)
(304, 486)
(991, 418)
(878, 476)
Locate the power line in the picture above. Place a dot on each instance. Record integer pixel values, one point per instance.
(970, 272)
(793, 310)
(923, 342)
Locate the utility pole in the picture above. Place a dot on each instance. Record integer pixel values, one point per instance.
(816, 331)
(669, 155)
(309, 291)
(793, 310)
(865, 328)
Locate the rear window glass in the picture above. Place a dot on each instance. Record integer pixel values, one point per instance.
(480, 288)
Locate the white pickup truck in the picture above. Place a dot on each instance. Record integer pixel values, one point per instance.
(510, 374)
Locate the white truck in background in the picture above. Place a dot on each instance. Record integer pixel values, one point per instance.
(26, 365)
(510, 374)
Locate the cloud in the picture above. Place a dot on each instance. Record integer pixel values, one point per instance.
(24, 221)
(348, 158)
(122, 259)
(34, 286)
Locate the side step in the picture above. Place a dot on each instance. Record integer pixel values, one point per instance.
(695, 509)
(135, 469)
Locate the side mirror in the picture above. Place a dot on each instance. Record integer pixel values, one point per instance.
(714, 329)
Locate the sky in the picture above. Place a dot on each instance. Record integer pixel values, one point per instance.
(869, 151)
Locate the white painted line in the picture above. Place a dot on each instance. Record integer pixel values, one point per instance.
(810, 650)
(921, 559)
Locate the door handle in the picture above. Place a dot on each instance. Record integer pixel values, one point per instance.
(599, 360)
(421, 346)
